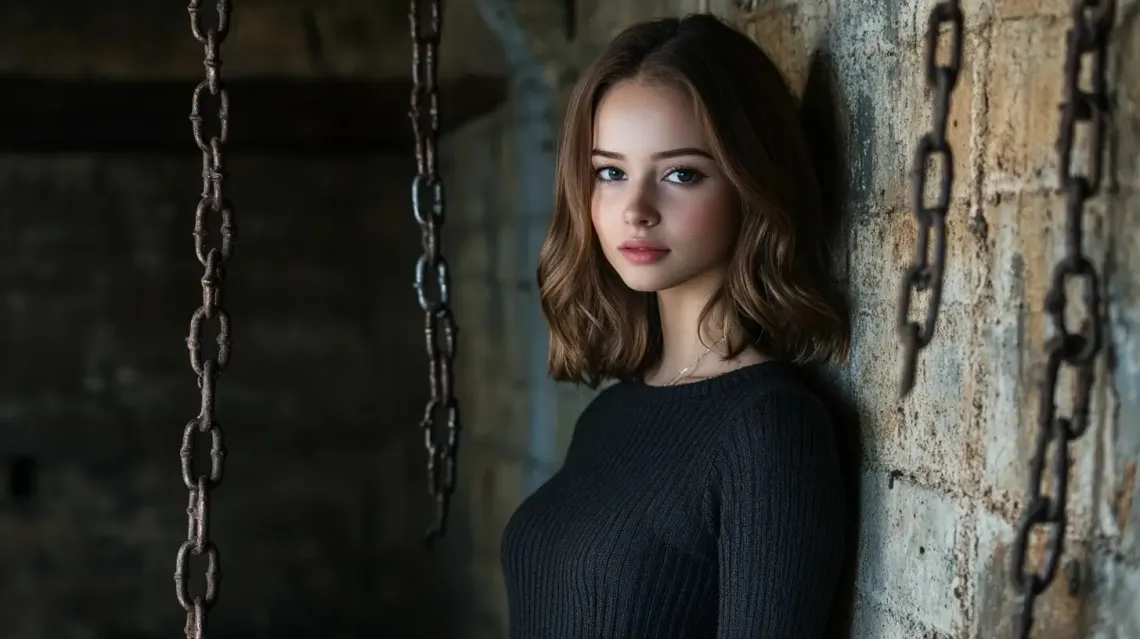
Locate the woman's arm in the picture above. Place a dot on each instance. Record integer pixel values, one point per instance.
(780, 515)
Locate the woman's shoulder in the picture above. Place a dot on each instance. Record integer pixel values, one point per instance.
(786, 397)
(783, 416)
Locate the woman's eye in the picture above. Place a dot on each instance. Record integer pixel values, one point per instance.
(609, 174)
(684, 176)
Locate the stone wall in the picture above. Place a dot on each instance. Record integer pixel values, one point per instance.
(122, 39)
(321, 516)
(943, 471)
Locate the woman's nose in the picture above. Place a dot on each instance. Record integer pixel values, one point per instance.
(639, 208)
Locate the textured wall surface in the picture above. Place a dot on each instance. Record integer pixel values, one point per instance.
(320, 518)
(297, 38)
(944, 471)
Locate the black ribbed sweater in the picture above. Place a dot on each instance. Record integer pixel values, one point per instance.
(707, 510)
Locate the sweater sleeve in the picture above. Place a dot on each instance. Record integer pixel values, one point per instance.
(780, 518)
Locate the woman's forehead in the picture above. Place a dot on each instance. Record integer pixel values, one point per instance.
(642, 119)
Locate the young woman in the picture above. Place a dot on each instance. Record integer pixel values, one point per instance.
(700, 496)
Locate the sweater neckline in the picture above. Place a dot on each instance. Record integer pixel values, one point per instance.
(712, 385)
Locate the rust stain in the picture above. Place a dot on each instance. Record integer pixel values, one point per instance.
(995, 596)
(1124, 498)
(1058, 611)
(1002, 503)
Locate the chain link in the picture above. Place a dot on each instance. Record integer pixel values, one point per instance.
(923, 273)
(1089, 34)
(428, 209)
(213, 259)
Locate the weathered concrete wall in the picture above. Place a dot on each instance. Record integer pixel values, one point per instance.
(305, 38)
(944, 471)
(321, 515)
(321, 298)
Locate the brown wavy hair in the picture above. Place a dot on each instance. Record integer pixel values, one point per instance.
(775, 293)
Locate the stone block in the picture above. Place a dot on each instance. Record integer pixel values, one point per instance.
(1057, 611)
(1026, 248)
(494, 491)
(1031, 9)
(1024, 93)
(572, 400)
(473, 258)
(347, 38)
(874, 620)
(789, 37)
(1120, 513)
(472, 164)
(507, 253)
(932, 434)
(511, 421)
(913, 551)
(1117, 584)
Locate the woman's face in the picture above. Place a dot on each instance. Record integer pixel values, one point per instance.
(662, 209)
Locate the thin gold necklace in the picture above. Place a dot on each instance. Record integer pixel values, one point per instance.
(692, 367)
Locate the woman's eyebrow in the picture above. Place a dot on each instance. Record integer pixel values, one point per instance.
(661, 155)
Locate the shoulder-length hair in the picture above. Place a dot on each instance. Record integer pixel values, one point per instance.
(775, 293)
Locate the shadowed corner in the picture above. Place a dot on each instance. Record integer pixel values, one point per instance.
(821, 114)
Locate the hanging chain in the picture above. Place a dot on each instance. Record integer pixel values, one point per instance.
(1092, 24)
(427, 206)
(926, 274)
(213, 203)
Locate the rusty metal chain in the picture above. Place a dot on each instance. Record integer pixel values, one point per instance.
(924, 273)
(442, 410)
(1089, 34)
(212, 205)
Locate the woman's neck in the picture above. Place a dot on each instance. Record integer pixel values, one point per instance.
(684, 338)
(687, 343)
